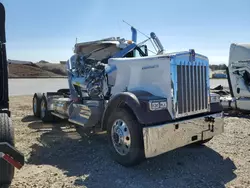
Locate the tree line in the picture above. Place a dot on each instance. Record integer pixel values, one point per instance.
(218, 67)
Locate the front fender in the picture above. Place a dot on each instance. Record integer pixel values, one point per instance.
(137, 102)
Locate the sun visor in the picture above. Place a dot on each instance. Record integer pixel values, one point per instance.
(2, 24)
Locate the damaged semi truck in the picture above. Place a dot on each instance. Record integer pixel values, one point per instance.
(148, 104)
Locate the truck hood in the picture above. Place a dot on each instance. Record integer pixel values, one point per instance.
(99, 49)
(2, 24)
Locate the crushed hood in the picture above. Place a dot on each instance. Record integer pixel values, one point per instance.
(2, 24)
(99, 49)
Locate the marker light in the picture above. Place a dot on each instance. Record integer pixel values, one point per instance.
(130, 42)
(158, 105)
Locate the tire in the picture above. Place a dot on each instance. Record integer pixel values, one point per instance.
(133, 151)
(6, 135)
(45, 114)
(36, 104)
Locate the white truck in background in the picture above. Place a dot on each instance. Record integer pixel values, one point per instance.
(238, 75)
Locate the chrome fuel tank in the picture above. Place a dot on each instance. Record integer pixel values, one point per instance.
(61, 105)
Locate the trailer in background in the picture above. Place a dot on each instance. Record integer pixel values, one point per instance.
(10, 157)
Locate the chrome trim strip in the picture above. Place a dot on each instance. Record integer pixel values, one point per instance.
(203, 86)
(182, 86)
(186, 89)
(196, 87)
(200, 86)
(193, 89)
(190, 89)
(75, 122)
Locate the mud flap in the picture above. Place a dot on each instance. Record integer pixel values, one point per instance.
(11, 155)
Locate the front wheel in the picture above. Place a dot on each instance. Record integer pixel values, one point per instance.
(125, 138)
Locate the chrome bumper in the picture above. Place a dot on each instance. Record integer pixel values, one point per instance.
(163, 138)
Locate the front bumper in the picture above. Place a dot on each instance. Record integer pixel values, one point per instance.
(166, 137)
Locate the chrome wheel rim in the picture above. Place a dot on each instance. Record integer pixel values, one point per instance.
(121, 138)
(34, 104)
(43, 108)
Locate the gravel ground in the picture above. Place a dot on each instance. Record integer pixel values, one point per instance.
(56, 156)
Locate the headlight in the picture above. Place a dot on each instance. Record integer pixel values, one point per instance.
(157, 105)
(214, 98)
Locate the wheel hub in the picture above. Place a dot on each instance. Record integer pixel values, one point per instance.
(116, 138)
(121, 137)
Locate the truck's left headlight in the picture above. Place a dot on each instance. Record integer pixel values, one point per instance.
(155, 105)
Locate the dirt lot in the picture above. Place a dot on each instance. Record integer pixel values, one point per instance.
(56, 156)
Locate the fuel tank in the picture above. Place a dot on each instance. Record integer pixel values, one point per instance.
(61, 105)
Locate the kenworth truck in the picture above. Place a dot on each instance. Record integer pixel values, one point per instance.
(148, 104)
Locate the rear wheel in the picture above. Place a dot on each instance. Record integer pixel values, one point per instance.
(37, 104)
(6, 135)
(125, 138)
(45, 114)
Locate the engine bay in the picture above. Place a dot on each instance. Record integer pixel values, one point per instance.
(89, 77)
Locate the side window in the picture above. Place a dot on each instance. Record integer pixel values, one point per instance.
(136, 53)
(141, 51)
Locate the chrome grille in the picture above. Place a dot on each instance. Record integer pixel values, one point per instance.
(192, 93)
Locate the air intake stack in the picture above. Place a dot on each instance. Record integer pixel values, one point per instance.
(157, 43)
